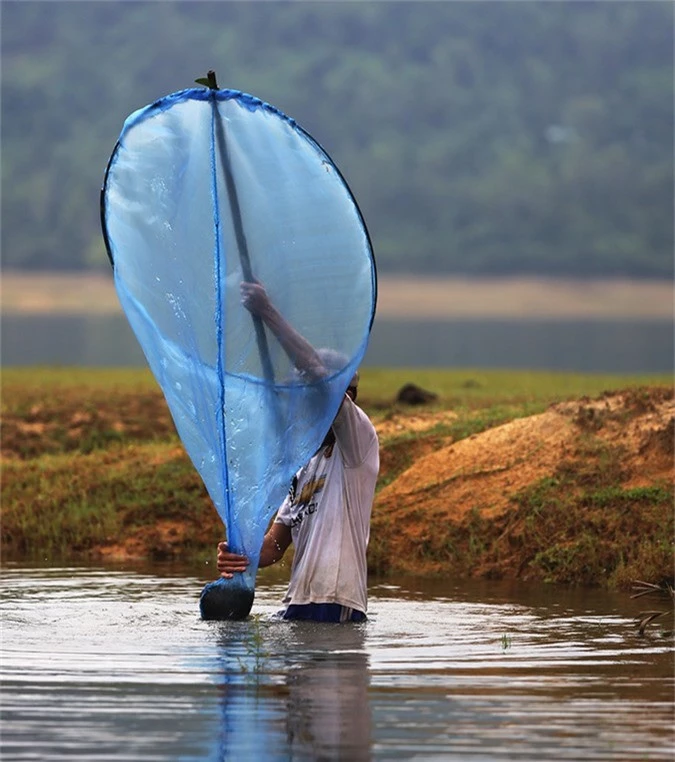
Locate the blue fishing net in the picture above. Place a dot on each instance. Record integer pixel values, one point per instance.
(205, 189)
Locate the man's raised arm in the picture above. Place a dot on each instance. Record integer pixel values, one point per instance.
(302, 354)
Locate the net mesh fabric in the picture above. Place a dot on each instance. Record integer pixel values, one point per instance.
(247, 419)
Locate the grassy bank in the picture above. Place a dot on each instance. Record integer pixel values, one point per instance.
(92, 468)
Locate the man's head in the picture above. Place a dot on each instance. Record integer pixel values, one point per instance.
(352, 389)
(335, 361)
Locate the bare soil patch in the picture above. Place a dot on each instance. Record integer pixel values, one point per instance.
(481, 472)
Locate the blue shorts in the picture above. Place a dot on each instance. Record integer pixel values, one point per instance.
(323, 612)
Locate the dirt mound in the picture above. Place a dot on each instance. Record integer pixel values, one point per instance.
(626, 437)
(484, 471)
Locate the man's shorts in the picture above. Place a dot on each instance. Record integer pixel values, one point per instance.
(323, 612)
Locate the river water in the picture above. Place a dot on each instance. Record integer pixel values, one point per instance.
(115, 664)
(586, 346)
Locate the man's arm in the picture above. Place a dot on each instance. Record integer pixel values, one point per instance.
(275, 544)
(301, 352)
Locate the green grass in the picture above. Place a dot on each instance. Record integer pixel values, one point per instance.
(485, 388)
(71, 503)
(54, 378)
(579, 526)
(472, 388)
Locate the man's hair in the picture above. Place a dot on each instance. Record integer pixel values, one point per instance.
(332, 360)
(336, 361)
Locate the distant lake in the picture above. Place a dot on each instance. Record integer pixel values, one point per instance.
(587, 346)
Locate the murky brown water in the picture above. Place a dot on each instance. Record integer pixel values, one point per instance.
(116, 665)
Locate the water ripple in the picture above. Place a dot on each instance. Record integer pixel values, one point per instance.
(116, 665)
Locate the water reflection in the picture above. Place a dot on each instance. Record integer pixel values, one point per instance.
(304, 682)
(116, 665)
(328, 707)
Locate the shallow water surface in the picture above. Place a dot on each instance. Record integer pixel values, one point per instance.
(105, 664)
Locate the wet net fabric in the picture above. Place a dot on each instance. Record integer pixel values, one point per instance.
(206, 189)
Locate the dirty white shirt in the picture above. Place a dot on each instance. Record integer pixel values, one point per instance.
(328, 510)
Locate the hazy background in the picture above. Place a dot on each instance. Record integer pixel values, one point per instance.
(489, 139)
(476, 136)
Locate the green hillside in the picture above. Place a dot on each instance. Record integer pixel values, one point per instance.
(477, 137)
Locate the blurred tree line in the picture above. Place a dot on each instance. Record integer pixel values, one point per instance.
(477, 137)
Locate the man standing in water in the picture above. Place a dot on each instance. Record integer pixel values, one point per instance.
(326, 514)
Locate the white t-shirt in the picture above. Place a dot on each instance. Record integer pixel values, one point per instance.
(328, 510)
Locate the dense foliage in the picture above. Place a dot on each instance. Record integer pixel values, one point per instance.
(491, 137)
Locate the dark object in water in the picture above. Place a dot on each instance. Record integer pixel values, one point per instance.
(225, 599)
(665, 590)
(411, 394)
